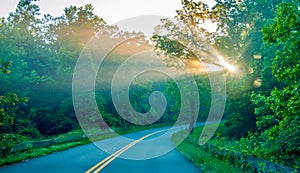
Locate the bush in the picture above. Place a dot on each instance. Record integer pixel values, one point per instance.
(7, 141)
(238, 126)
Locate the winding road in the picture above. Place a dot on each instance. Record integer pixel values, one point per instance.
(90, 159)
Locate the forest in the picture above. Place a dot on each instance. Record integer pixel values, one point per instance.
(260, 39)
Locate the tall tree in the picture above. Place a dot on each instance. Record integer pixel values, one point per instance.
(6, 101)
(186, 39)
(278, 113)
(72, 31)
(22, 43)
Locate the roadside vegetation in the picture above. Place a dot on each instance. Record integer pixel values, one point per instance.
(203, 158)
(221, 154)
(30, 153)
(261, 40)
(37, 152)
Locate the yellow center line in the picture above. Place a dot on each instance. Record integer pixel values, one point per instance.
(113, 156)
(98, 164)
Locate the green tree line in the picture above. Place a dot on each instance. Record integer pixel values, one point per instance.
(38, 56)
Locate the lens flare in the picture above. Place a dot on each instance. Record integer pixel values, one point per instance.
(226, 66)
(229, 67)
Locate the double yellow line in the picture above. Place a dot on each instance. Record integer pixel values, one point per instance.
(99, 166)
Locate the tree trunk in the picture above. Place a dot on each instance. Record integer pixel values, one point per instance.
(192, 123)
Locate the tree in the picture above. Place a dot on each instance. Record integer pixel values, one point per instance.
(240, 24)
(186, 41)
(72, 31)
(278, 113)
(10, 99)
(22, 44)
(237, 40)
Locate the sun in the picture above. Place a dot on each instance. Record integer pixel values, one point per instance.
(226, 66)
(230, 67)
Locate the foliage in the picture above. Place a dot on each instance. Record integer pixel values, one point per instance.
(33, 153)
(262, 94)
(7, 139)
(278, 112)
(202, 158)
(4, 66)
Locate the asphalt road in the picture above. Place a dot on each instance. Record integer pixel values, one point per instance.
(84, 158)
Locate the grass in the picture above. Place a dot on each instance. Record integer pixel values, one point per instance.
(203, 159)
(256, 148)
(37, 152)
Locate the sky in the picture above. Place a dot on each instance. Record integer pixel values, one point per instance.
(111, 11)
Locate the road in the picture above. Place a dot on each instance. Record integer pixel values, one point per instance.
(89, 158)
